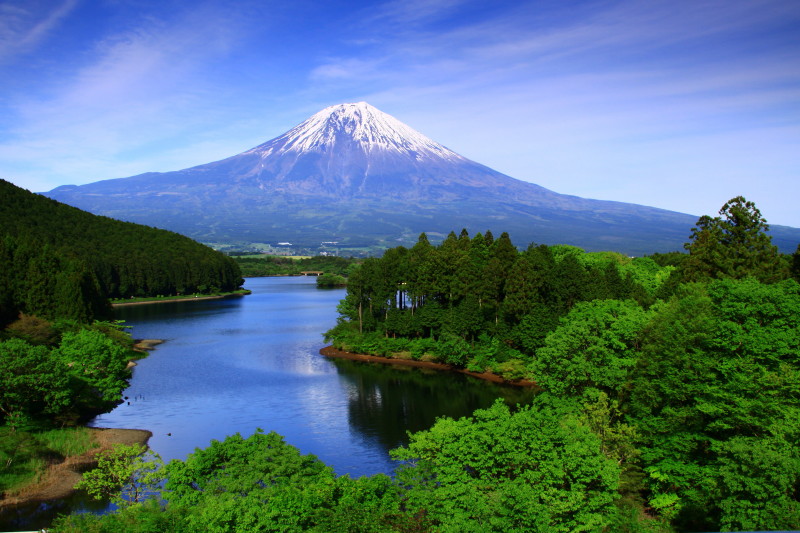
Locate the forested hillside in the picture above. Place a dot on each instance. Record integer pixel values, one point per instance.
(59, 261)
(59, 365)
(273, 265)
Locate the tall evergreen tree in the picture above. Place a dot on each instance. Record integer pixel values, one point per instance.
(733, 245)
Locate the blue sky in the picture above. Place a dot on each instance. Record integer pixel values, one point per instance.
(677, 104)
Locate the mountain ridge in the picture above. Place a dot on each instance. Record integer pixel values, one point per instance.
(354, 174)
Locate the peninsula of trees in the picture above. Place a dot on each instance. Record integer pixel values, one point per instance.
(685, 366)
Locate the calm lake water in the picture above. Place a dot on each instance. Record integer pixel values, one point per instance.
(238, 364)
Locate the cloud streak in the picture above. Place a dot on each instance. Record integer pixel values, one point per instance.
(668, 80)
(140, 87)
(23, 25)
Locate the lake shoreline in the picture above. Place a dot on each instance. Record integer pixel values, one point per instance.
(330, 351)
(59, 479)
(187, 299)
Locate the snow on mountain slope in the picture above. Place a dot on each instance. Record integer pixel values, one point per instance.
(359, 123)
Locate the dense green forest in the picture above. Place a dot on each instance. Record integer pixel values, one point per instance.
(669, 398)
(57, 261)
(53, 377)
(273, 265)
(59, 364)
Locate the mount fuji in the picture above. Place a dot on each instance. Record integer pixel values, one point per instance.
(353, 174)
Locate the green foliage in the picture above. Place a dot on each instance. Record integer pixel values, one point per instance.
(239, 483)
(594, 347)
(795, 264)
(32, 383)
(147, 517)
(60, 262)
(96, 363)
(538, 469)
(262, 484)
(466, 288)
(733, 245)
(273, 265)
(719, 364)
(21, 457)
(331, 280)
(757, 480)
(85, 372)
(124, 474)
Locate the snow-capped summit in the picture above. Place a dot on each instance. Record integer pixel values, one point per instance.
(336, 126)
(356, 173)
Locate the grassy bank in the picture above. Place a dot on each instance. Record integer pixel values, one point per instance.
(40, 466)
(26, 455)
(179, 298)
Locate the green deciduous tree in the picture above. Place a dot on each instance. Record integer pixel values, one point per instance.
(757, 481)
(96, 364)
(32, 384)
(719, 364)
(595, 346)
(255, 484)
(538, 469)
(125, 474)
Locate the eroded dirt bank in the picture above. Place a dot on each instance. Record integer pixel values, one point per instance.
(330, 351)
(60, 478)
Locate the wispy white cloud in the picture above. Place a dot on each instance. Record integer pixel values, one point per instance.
(133, 90)
(596, 101)
(23, 25)
(403, 13)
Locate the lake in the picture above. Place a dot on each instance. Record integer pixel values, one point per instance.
(238, 364)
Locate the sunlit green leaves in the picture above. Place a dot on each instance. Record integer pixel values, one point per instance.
(595, 346)
(539, 469)
(125, 474)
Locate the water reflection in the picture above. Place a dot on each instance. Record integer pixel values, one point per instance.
(40, 515)
(385, 402)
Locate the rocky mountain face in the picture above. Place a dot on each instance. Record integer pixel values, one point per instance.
(356, 175)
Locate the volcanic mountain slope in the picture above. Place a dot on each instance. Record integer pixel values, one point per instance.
(354, 174)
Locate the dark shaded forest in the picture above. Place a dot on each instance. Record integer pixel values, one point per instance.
(57, 261)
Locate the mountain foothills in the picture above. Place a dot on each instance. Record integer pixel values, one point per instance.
(355, 175)
(668, 399)
(57, 261)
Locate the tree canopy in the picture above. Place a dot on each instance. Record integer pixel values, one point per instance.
(734, 244)
(57, 261)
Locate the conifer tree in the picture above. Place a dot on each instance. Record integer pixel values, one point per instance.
(733, 245)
